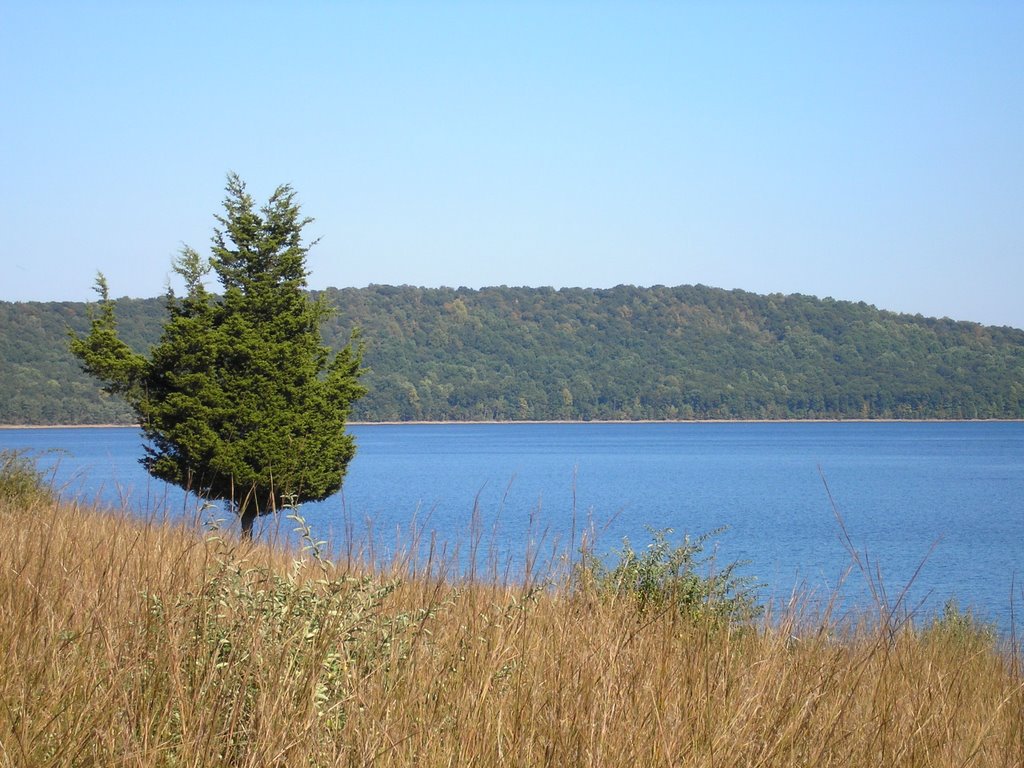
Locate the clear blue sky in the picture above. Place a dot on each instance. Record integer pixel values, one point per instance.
(868, 151)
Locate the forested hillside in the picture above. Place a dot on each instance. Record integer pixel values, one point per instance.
(624, 353)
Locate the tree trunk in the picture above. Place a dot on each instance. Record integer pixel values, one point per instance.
(248, 517)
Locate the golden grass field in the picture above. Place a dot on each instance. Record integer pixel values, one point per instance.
(134, 643)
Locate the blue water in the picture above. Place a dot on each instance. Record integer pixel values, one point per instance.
(948, 495)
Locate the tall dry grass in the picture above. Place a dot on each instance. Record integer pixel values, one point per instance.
(128, 643)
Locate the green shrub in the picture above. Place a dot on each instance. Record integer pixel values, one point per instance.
(305, 635)
(961, 627)
(20, 480)
(678, 577)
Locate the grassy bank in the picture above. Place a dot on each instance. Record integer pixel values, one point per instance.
(125, 643)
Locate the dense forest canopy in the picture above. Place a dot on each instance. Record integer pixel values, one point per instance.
(623, 353)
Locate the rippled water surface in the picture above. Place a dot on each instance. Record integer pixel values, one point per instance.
(905, 490)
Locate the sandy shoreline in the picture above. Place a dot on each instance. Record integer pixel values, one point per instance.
(65, 426)
(592, 421)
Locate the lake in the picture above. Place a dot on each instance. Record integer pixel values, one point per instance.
(950, 495)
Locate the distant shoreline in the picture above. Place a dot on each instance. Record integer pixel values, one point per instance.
(579, 421)
(67, 426)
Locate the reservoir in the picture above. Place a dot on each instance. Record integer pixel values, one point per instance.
(937, 506)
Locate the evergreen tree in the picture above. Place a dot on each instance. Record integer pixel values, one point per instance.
(240, 400)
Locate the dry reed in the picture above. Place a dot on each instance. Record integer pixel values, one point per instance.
(134, 643)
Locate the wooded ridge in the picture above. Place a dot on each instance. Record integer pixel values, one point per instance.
(687, 352)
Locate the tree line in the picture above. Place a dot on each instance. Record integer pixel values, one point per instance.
(685, 352)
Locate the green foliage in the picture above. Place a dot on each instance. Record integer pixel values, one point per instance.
(21, 482)
(239, 399)
(502, 353)
(961, 628)
(680, 578)
(671, 353)
(253, 631)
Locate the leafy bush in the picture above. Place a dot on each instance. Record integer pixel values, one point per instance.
(961, 627)
(20, 480)
(669, 576)
(308, 635)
